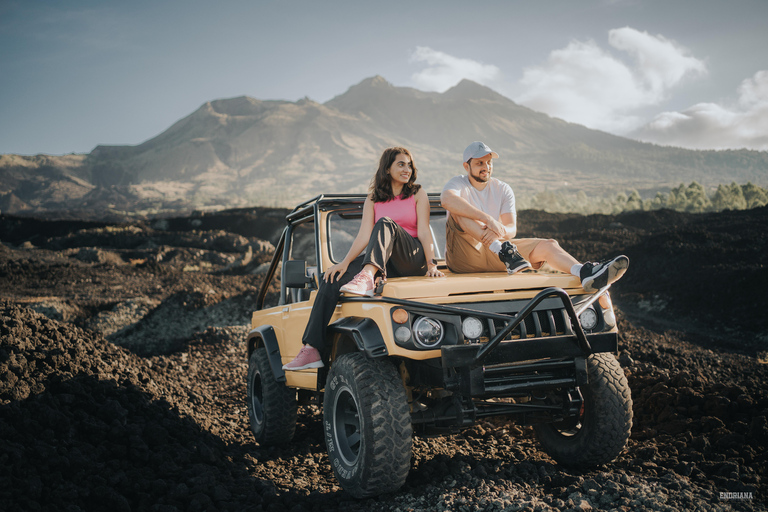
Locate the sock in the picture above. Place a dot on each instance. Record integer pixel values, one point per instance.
(576, 269)
(495, 246)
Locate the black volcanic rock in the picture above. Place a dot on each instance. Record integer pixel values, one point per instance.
(86, 424)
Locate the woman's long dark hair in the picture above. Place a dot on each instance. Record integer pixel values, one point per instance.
(381, 184)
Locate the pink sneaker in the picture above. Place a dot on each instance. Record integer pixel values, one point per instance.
(308, 357)
(361, 284)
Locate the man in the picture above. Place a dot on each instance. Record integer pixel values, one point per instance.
(482, 225)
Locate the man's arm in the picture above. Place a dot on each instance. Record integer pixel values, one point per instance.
(486, 236)
(457, 205)
(510, 224)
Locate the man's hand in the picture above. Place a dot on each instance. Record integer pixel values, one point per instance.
(495, 227)
(488, 236)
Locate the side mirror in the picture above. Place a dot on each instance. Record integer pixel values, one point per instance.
(295, 274)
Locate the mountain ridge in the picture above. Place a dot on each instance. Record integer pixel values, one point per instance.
(244, 151)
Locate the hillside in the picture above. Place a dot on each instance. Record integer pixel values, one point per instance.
(244, 152)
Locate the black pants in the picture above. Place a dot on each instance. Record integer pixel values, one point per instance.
(391, 249)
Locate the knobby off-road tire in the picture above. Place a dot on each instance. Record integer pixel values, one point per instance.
(602, 432)
(367, 425)
(271, 405)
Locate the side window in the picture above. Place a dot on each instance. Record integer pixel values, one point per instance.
(342, 230)
(437, 221)
(303, 245)
(272, 293)
(303, 248)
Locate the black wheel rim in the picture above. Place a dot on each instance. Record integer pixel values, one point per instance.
(569, 431)
(346, 425)
(571, 426)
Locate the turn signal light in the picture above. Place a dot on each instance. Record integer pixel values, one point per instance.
(400, 316)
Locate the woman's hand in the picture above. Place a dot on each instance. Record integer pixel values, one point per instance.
(335, 272)
(432, 271)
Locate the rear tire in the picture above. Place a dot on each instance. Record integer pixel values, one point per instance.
(367, 425)
(272, 408)
(602, 431)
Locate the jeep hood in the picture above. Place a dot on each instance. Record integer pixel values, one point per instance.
(423, 287)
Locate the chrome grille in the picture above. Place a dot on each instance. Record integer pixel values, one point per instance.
(540, 323)
(549, 319)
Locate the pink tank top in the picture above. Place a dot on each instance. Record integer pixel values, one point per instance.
(402, 211)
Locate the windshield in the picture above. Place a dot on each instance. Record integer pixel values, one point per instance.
(344, 224)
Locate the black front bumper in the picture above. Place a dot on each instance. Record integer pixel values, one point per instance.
(521, 367)
(502, 368)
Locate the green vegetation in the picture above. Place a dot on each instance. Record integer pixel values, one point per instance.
(693, 198)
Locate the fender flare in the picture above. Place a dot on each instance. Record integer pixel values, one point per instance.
(366, 334)
(266, 335)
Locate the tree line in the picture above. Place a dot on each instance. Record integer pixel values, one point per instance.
(693, 198)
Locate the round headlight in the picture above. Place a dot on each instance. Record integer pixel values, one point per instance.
(427, 332)
(472, 328)
(588, 319)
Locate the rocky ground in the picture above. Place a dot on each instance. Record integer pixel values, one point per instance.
(122, 375)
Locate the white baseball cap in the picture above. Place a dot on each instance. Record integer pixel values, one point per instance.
(478, 149)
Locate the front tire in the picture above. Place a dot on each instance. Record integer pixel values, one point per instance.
(272, 408)
(367, 425)
(600, 434)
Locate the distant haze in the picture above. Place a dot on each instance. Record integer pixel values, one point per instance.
(245, 152)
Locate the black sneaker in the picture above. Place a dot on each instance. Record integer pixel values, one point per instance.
(512, 259)
(597, 275)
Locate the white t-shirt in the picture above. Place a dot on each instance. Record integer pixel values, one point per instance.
(495, 199)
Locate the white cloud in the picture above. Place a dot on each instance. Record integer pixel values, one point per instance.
(743, 124)
(661, 64)
(443, 71)
(585, 84)
(589, 85)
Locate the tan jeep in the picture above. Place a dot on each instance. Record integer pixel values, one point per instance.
(431, 355)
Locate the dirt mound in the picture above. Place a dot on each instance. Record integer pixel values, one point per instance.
(128, 391)
(87, 425)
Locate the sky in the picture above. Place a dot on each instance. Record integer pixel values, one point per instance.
(688, 73)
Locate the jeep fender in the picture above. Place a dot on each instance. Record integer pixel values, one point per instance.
(365, 332)
(265, 334)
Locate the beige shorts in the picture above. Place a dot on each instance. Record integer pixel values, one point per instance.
(464, 254)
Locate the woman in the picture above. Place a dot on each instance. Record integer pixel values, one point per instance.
(397, 240)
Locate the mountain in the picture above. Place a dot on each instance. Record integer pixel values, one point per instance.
(244, 151)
